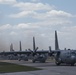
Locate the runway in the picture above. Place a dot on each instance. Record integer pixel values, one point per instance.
(49, 68)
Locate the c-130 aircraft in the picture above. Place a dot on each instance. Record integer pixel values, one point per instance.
(34, 55)
(63, 56)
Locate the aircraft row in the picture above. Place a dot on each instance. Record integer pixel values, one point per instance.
(60, 56)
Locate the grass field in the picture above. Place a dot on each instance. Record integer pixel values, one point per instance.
(9, 67)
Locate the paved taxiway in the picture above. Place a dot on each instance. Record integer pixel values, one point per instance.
(49, 68)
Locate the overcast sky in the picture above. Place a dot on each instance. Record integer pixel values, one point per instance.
(20, 20)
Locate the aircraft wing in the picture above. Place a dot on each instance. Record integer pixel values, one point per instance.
(15, 52)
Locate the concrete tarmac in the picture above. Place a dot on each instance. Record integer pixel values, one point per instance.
(49, 68)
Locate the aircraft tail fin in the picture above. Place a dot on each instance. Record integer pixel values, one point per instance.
(34, 46)
(20, 46)
(56, 41)
(50, 48)
(11, 47)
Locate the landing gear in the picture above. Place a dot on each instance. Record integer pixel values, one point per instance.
(33, 61)
(19, 59)
(57, 63)
(72, 64)
(42, 61)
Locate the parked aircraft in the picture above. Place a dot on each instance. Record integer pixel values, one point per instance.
(35, 54)
(38, 55)
(16, 55)
(63, 56)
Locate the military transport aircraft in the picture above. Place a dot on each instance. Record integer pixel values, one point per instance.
(63, 56)
(38, 55)
(16, 55)
(35, 54)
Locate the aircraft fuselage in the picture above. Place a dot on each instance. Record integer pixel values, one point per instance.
(66, 56)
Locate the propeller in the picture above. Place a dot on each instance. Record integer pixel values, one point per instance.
(34, 47)
(34, 51)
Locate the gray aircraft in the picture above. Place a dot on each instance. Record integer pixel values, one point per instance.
(15, 55)
(38, 55)
(63, 56)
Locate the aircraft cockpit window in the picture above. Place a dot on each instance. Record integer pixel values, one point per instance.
(73, 53)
